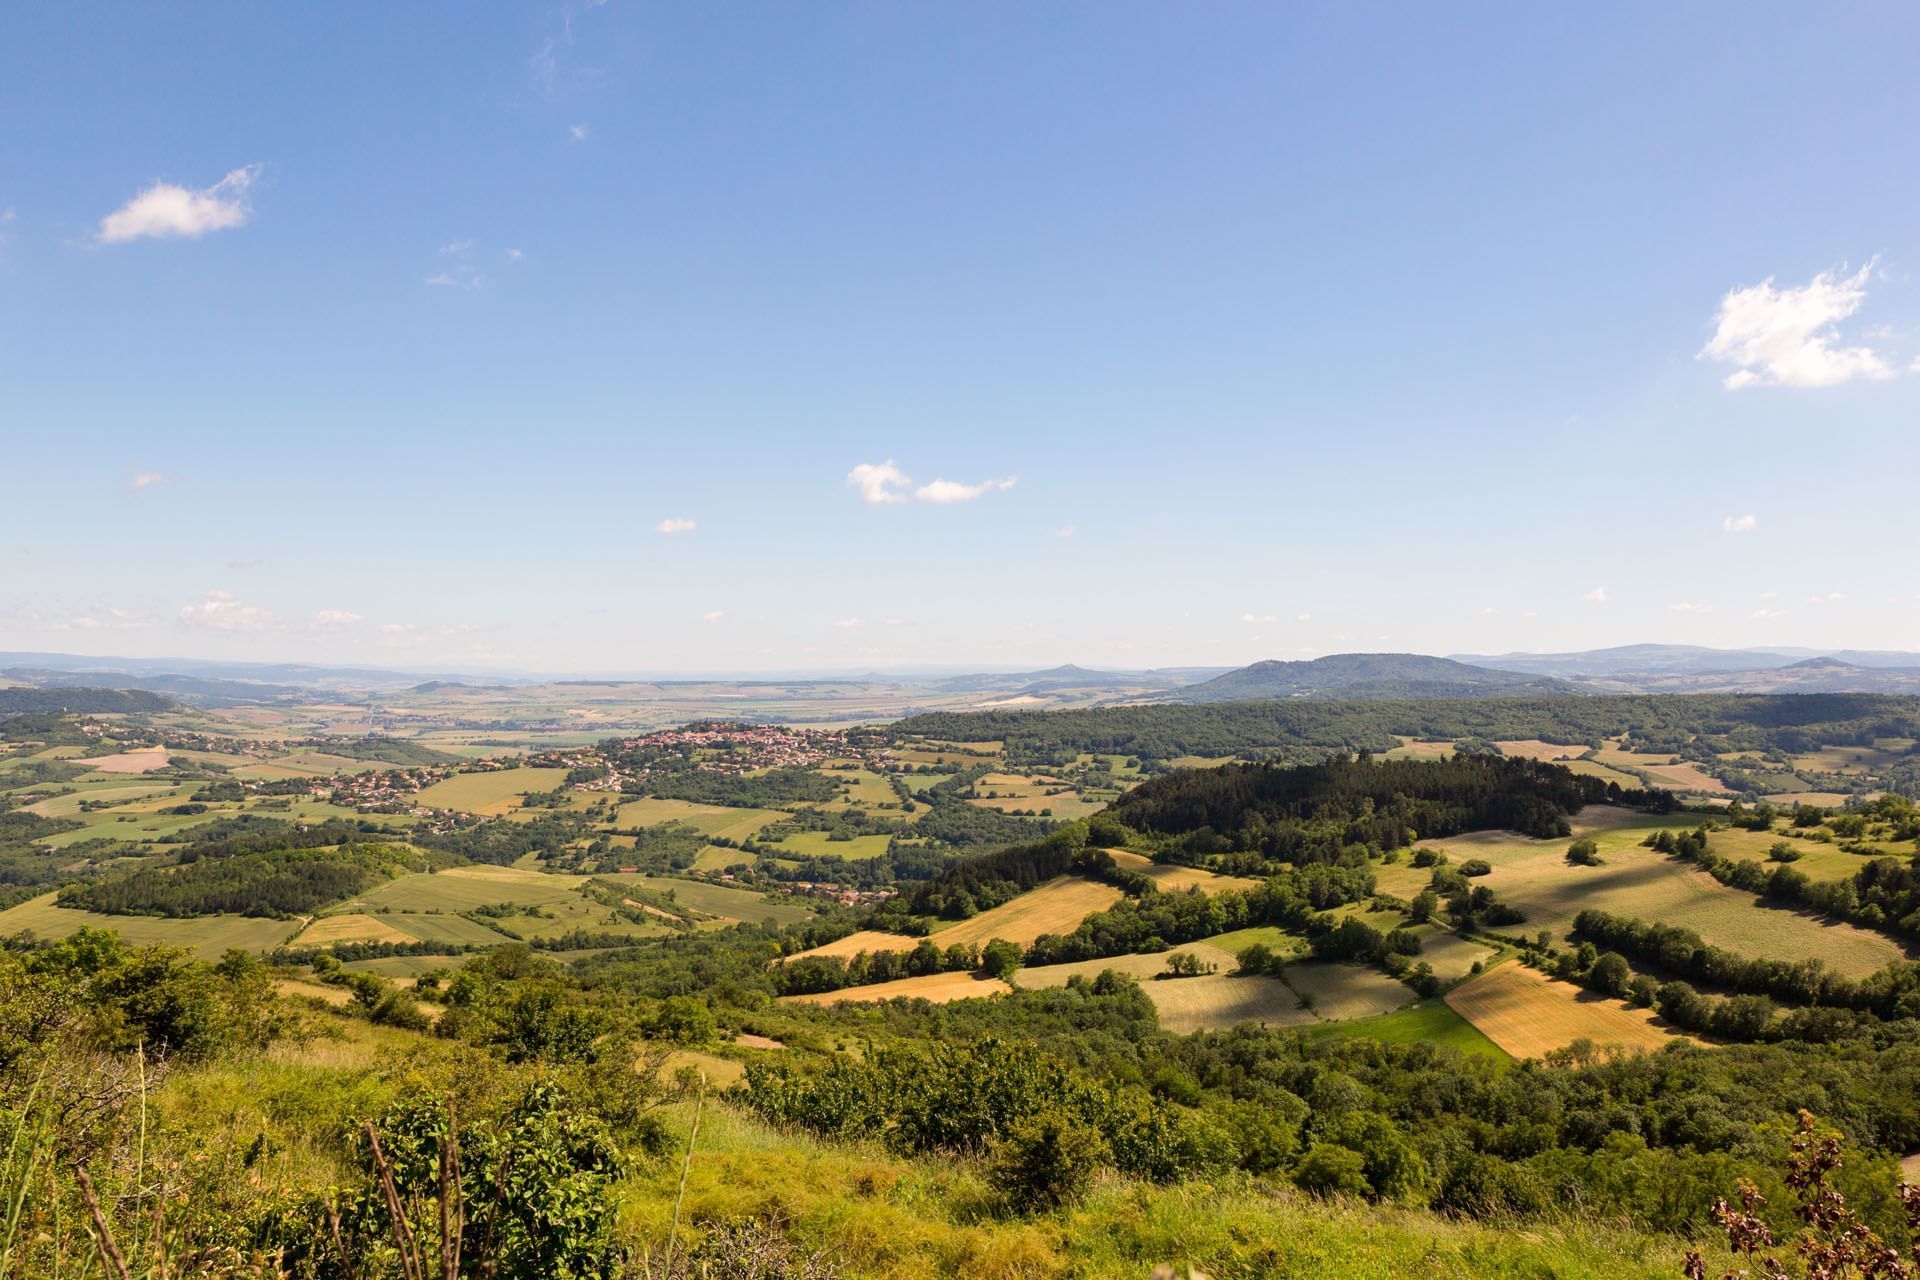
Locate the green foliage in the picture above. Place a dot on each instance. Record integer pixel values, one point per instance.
(1584, 852)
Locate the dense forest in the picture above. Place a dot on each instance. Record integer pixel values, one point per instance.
(1314, 812)
(278, 883)
(1308, 730)
(80, 701)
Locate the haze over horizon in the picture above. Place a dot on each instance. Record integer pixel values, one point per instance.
(601, 338)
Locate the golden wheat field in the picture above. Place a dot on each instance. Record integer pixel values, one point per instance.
(1528, 1014)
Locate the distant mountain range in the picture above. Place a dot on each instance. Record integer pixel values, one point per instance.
(1370, 677)
(1638, 668)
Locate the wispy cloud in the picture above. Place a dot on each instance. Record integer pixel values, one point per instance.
(1690, 606)
(879, 482)
(1066, 530)
(712, 616)
(164, 210)
(1258, 619)
(676, 524)
(219, 611)
(578, 132)
(945, 491)
(1790, 337)
(457, 269)
(147, 480)
(1740, 524)
(1598, 595)
(848, 624)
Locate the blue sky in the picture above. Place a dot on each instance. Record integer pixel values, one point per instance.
(398, 333)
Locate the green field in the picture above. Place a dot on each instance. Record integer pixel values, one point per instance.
(492, 793)
(723, 900)
(464, 888)
(815, 844)
(708, 819)
(208, 937)
(1428, 1022)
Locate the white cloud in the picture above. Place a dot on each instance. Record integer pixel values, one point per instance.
(1257, 619)
(896, 622)
(1066, 531)
(1488, 612)
(219, 611)
(879, 482)
(676, 524)
(1740, 524)
(146, 480)
(712, 616)
(1769, 613)
(1598, 595)
(953, 491)
(578, 132)
(1829, 598)
(336, 620)
(848, 624)
(1789, 338)
(164, 209)
(1305, 617)
(1690, 606)
(514, 255)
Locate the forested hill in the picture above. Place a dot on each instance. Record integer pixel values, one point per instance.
(1368, 676)
(1385, 804)
(26, 701)
(1304, 729)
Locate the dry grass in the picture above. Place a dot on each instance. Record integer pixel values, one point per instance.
(939, 988)
(1173, 879)
(1529, 1015)
(1411, 749)
(854, 943)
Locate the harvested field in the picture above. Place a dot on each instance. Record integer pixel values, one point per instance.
(1451, 955)
(1535, 749)
(1058, 906)
(939, 988)
(349, 926)
(854, 943)
(1687, 776)
(459, 889)
(724, 901)
(140, 760)
(1528, 1014)
(1173, 879)
(335, 996)
(1341, 991)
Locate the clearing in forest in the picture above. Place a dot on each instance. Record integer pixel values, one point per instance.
(1529, 1015)
(1176, 879)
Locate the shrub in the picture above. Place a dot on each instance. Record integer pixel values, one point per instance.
(1476, 867)
(1047, 1161)
(1584, 853)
